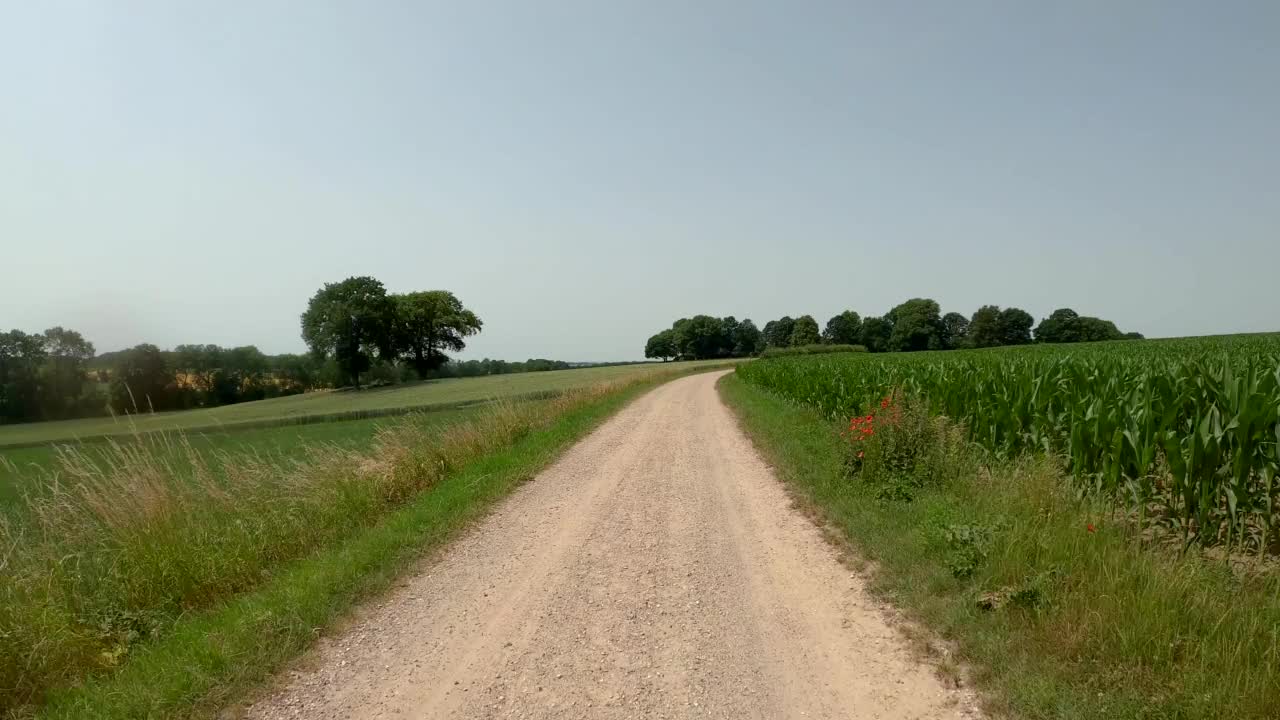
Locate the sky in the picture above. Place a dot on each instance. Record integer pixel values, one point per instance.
(583, 173)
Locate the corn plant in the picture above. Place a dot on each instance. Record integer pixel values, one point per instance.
(1185, 433)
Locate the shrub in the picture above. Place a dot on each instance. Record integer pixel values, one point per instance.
(904, 447)
(811, 350)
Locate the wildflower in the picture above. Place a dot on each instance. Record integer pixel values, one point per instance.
(859, 454)
(1091, 528)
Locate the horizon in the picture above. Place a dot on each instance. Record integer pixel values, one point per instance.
(582, 176)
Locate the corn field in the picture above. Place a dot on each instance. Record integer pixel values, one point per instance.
(1184, 434)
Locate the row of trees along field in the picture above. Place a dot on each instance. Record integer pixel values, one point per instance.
(917, 324)
(355, 331)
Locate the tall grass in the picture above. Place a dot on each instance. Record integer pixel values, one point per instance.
(123, 542)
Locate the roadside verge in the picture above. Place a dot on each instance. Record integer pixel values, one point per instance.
(1048, 600)
(210, 658)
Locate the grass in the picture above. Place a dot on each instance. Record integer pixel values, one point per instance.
(158, 588)
(1052, 620)
(420, 395)
(27, 469)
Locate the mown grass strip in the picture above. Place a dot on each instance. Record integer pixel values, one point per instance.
(1085, 624)
(208, 660)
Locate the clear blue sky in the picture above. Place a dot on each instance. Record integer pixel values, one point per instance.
(582, 173)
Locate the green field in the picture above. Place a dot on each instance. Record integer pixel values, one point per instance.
(282, 429)
(28, 469)
(421, 395)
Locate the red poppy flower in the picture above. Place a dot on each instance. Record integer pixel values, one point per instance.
(1091, 528)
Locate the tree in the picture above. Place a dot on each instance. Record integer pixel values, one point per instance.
(917, 325)
(747, 339)
(777, 333)
(1059, 327)
(350, 321)
(200, 366)
(21, 357)
(876, 332)
(429, 323)
(1015, 326)
(1065, 326)
(805, 332)
(245, 369)
(955, 330)
(843, 329)
(142, 380)
(984, 328)
(295, 373)
(700, 337)
(64, 387)
(661, 346)
(1092, 329)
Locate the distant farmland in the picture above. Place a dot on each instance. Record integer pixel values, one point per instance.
(283, 429)
(432, 394)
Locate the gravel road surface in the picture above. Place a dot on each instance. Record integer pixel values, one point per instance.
(657, 570)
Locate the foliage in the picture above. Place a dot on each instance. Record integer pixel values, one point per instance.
(955, 330)
(1015, 326)
(65, 388)
(747, 339)
(428, 323)
(777, 333)
(805, 332)
(43, 377)
(1183, 433)
(142, 381)
(21, 356)
(993, 327)
(810, 350)
(969, 546)
(703, 337)
(661, 346)
(843, 329)
(1066, 326)
(917, 325)
(351, 321)
(984, 327)
(876, 332)
(899, 447)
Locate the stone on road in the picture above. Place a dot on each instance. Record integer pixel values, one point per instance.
(656, 570)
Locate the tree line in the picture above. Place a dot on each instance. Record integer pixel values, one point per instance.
(917, 324)
(354, 330)
(43, 376)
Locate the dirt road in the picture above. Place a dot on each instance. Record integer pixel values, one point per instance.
(656, 570)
